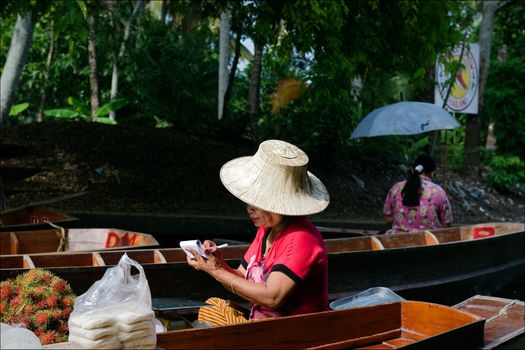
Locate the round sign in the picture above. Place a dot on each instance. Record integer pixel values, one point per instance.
(465, 86)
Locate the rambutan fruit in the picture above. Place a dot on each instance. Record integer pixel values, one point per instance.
(51, 301)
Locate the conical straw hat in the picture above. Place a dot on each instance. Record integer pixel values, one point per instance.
(275, 179)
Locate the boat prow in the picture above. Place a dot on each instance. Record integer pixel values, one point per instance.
(58, 240)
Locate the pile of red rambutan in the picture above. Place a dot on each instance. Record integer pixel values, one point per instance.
(39, 301)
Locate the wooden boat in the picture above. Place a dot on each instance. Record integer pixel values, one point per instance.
(505, 320)
(71, 240)
(443, 266)
(407, 325)
(32, 218)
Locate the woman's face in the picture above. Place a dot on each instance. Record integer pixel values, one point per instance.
(262, 218)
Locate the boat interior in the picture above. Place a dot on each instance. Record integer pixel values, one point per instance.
(12, 241)
(386, 326)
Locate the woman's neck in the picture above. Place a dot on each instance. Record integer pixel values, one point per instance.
(278, 228)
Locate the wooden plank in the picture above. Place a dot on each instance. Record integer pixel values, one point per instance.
(12, 261)
(398, 342)
(140, 256)
(349, 245)
(63, 260)
(289, 332)
(402, 240)
(411, 334)
(382, 346)
(448, 235)
(5, 244)
(41, 241)
(358, 342)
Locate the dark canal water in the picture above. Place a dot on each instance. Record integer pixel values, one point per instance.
(515, 290)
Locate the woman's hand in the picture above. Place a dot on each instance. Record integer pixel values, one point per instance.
(212, 264)
(210, 247)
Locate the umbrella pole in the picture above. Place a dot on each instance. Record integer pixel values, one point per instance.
(444, 165)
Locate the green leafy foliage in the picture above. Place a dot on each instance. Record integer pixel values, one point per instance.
(80, 110)
(507, 174)
(172, 74)
(353, 56)
(17, 109)
(455, 145)
(505, 105)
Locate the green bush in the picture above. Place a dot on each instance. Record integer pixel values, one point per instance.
(507, 174)
(505, 105)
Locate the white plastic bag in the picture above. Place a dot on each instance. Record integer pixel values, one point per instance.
(18, 338)
(115, 308)
(117, 286)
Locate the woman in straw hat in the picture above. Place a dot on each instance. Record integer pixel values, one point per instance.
(285, 269)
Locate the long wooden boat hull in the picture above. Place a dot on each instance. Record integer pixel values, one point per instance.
(447, 272)
(445, 266)
(72, 240)
(407, 325)
(32, 218)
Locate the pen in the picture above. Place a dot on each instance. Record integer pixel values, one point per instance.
(222, 245)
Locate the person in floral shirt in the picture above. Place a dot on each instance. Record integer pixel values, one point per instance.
(417, 203)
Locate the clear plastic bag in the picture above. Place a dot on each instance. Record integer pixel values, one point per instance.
(117, 286)
(371, 296)
(115, 307)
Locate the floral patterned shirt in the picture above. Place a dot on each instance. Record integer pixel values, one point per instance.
(434, 210)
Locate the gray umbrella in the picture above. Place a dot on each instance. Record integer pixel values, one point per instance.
(405, 118)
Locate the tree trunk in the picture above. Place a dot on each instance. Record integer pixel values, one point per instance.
(224, 43)
(117, 57)
(228, 93)
(255, 79)
(114, 75)
(40, 113)
(92, 59)
(15, 61)
(490, 142)
(163, 11)
(473, 128)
